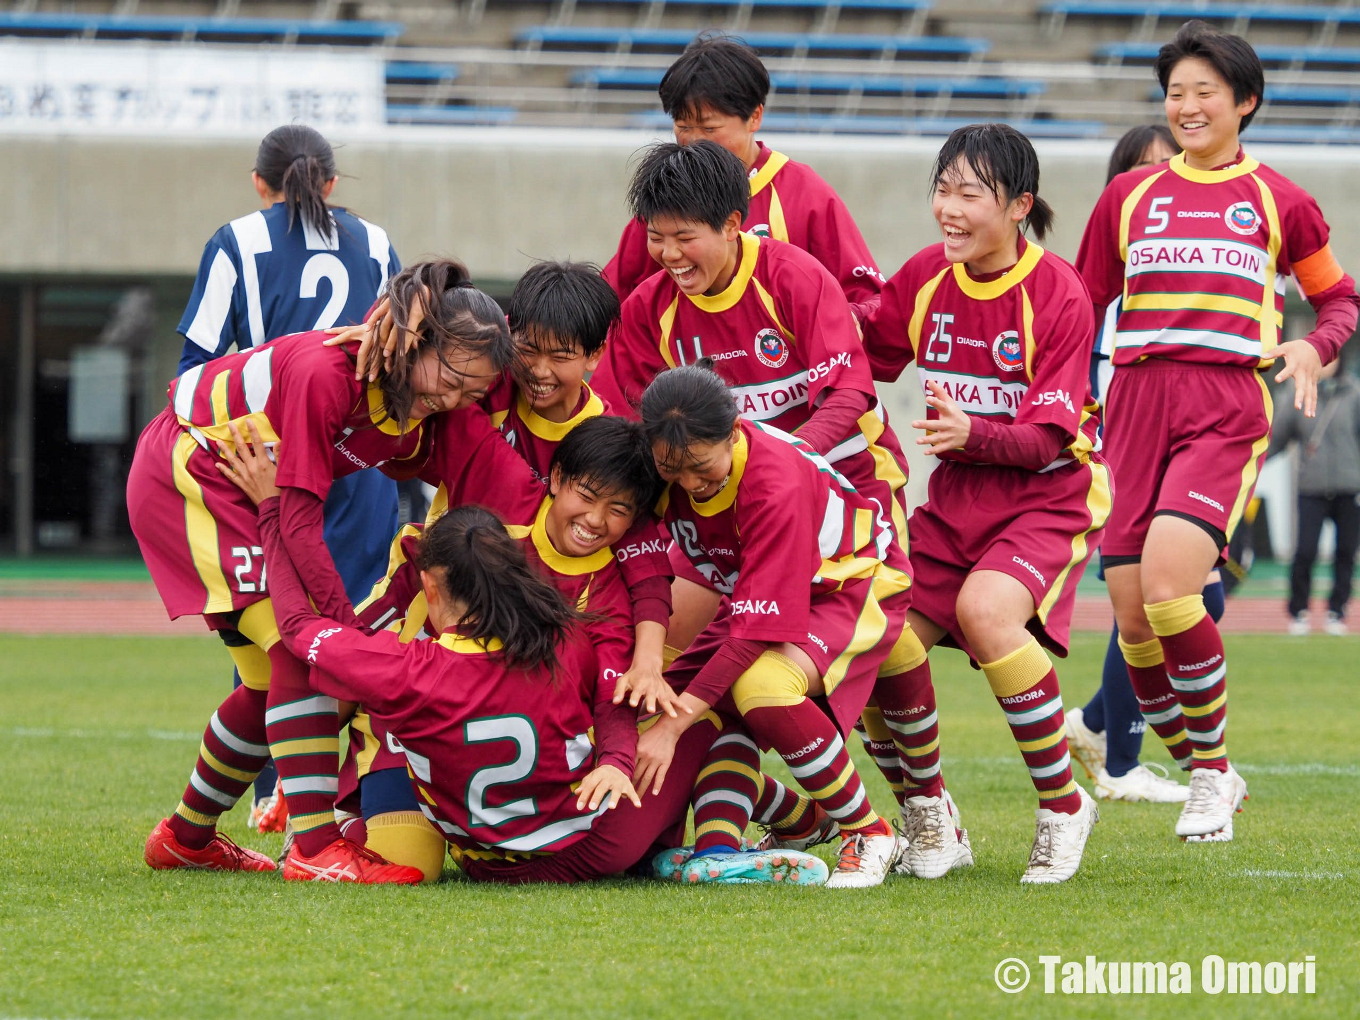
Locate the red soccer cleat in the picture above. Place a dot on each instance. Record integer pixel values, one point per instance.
(346, 861)
(273, 813)
(164, 851)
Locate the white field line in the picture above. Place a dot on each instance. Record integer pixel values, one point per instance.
(1306, 876)
(43, 732)
(1297, 768)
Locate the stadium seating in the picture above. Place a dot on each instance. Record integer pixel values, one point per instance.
(1311, 57)
(663, 40)
(831, 84)
(1239, 15)
(815, 123)
(42, 24)
(407, 72)
(405, 113)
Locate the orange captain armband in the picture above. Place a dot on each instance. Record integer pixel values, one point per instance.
(1319, 271)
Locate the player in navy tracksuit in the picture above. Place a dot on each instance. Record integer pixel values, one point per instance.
(296, 265)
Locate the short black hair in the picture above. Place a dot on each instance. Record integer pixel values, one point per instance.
(610, 454)
(567, 303)
(1005, 163)
(1133, 143)
(718, 71)
(688, 405)
(699, 183)
(1230, 55)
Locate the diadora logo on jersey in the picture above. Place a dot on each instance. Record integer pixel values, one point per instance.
(316, 641)
(819, 643)
(655, 545)
(1007, 352)
(1205, 499)
(725, 355)
(1242, 218)
(760, 607)
(1030, 567)
(1054, 397)
(1195, 214)
(345, 452)
(772, 350)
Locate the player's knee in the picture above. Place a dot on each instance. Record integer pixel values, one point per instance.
(976, 613)
(407, 837)
(907, 653)
(773, 680)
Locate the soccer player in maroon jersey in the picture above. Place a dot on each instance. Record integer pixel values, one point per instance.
(815, 594)
(715, 91)
(1001, 332)
(199, 535)
(1201, 250)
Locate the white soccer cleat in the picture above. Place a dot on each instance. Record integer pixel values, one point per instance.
(1300, 625)
(1214, 798)
(1059, 840)
(1335, 625)
(824, 831)
(864, 861)
(1140, 783)
(931, 833)
(1085, 745)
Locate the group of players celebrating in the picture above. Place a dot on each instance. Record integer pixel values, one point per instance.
(628, 586)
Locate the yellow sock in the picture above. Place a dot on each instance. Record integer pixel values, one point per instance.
(407, 837)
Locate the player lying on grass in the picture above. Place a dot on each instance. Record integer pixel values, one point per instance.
(715, 91)
(512, 668)
(1201, 250)
(199, 535)
(1001, 332)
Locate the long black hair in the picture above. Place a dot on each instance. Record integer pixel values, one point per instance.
(698, 183)
(458, 317)
(485, 569)
(297, 161)
(1128, 151)
(1005, 163)
(687, 405)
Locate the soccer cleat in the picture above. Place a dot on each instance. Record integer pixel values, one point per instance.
(1214, 798)
(864, 861)
(745, 867)
(1299, 624)
(1140, 783)
(1059, 840)
(935, 844)
(271, 813)
(1335, 625)
(343, 861)
(824, 829)
(164, 851)
(1085, 745)
(667, 864)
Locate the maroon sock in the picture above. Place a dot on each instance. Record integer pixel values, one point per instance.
(304, 739)
(907, 702)
(232, 754)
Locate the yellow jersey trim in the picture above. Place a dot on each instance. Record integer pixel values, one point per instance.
(555, 431)
(1126, 215)
(727, 495)
(377, 413)
(734, 291)
(765, 174)
(667, 325)
(560, 562)
(990, 289)
(920, 307)
(768, 302)
(1180, 168)
(468, 646)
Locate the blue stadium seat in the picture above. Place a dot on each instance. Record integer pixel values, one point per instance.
(414, 113)
(890, 6)
(1239, 13)
(668, 40)
(1301, 95)
(1312, 57)
(415, 72)
(110, 26)
(832, 84)
(818, 123)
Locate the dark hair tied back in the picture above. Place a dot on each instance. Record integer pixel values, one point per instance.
(1005, 163)
(297, 161)
(687, 405)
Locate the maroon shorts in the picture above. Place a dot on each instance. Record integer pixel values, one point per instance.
(1182, 439)
(1040, 528)
(198, 533)
(851, 634)
(369, 751)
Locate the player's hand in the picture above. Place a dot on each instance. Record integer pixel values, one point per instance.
(601, 782)
(249, 464)
(649, 689)
(655, 749)
(1303, 364)
(947, 432)
(379, 333)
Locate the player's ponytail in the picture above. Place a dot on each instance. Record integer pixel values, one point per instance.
(504, 598)
(457, 318)
(687, 405)
(297, 162)
(1005, 164)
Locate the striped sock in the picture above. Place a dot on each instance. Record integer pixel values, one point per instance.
(809, 744)
(877, 740)
(304, 738)
(907, 701)
(1026, 686)
(784, 810)
(231, 755)
(1198, 673)
(1156, 699)
(725, 792)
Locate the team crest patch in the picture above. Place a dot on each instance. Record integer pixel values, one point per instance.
(1007, 352)
(1242, 218)
(760, 230)
(771, 348)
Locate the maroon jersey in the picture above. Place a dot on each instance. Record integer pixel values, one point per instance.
(785, 529)
(298, 390)
(1201, 258)
(531, 435)
(789, 202)
(1015, 350)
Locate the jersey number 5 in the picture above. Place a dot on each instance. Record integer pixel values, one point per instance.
(520, 730)
(1158, 215)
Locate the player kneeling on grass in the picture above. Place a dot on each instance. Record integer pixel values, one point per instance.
(1001, 333)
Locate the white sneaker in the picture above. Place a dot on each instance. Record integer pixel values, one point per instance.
(864, 861)
(931, 833)
(1059, 840)
(1335, 625)
(1214, 798)
(1140, 783)
(1085, 745)
(1300, 625)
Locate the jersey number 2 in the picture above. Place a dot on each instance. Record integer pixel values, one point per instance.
(326, 266)
(520, 730)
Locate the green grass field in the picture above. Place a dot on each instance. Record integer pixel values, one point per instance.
(100, 733)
